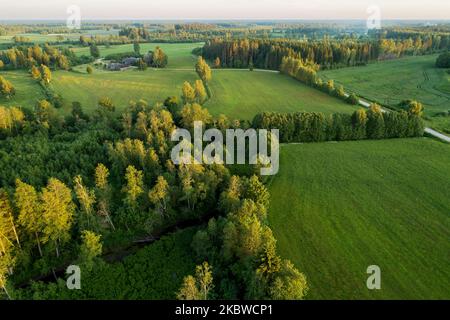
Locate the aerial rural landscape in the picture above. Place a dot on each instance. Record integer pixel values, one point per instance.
(358, 210)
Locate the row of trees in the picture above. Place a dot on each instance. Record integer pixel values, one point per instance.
(241, 249)
(362, 124)
(42, 73)
(194, 94)
(203, 70)
(268, 54)
(306, 72)
(418, 40)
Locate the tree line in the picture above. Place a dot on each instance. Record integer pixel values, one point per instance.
(328, 53)
(306, 72)
(362, 124)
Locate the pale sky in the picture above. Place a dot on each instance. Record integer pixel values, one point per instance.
(225, 9)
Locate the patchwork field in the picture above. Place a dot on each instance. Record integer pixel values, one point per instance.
(240, 94)
(337, 208)
(180, 54)
(390, 82)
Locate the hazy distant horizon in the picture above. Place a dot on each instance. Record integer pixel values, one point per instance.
(227, 9)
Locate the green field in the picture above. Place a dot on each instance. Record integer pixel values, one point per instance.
(28, 90)
(241, 94)
(390, 82)
(337, 208)
(150, 85)
(180, 54)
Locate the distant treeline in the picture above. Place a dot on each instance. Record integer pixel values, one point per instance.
(268, 54)
(362, 124)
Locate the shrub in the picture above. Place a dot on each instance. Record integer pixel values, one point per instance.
(443, 61)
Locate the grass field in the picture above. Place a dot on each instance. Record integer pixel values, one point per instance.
(150, 85)
(180, 54)
(337, 208)
(389, 82)
(28, 90)
(242, 94)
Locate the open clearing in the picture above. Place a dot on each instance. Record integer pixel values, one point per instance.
(28, 91)
(337, 208)
(390, 82)
(180, 54)
(241, 94)
(150, 85)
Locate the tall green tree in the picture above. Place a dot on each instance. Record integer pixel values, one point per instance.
(58, 210)
(8, 231)
(30, 211)
(200, 92)
(159, 195)
(46, 74)
(86, 198)
(134, 186)
(375, 122)
(90, 249)
(95, 52)
(187, 93)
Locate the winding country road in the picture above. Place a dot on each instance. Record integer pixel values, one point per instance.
(430, 131)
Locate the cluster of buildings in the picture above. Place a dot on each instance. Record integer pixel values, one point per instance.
(127, 63)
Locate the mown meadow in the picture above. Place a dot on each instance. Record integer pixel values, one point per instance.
(337, 208)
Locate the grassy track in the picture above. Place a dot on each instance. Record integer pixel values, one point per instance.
(337, 208)
(242, 94)
(389, 82)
